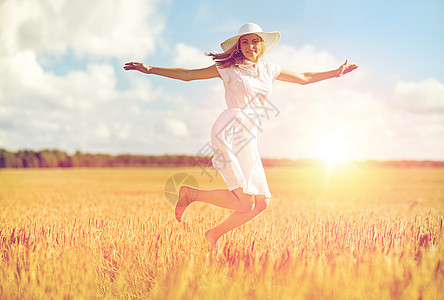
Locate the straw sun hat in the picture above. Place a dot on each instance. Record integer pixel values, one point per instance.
(270, 38)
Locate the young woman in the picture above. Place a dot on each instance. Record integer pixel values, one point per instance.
(247, 82)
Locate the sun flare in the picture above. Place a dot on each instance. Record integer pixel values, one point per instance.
(334, 149)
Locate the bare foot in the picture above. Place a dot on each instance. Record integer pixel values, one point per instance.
(183, 202)
(211, 238)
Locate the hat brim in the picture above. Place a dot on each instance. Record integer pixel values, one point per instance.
(271, 39)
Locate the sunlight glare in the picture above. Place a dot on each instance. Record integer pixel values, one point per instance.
(334, 149)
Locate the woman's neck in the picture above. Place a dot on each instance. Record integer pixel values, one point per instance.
(249, 62)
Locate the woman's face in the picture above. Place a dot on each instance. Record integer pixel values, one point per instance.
(250, 46)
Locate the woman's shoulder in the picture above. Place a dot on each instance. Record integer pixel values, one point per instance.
(268, 64)
(271, 69)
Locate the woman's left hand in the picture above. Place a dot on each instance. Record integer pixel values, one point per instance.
(346, 68)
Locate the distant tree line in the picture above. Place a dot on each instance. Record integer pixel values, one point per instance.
(60, 159)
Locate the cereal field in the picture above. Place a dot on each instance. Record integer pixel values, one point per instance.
(352, 233)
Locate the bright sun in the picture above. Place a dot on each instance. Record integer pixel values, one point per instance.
(334, 149)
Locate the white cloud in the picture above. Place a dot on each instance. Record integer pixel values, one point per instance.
(102, 131)
(102, 28)
(424, 96)
(175, 127)
(82, 109)
(190, 57)
(304, 59)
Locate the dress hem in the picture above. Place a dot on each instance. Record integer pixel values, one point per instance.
(249, 193)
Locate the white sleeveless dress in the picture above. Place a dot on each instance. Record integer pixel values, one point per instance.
(234, 134)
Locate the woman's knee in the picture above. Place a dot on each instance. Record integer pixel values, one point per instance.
(246, 202)
(262, 203)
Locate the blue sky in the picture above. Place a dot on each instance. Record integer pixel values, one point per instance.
(63, 85)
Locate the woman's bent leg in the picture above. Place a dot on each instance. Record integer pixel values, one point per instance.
(235, 220)
(235, 200)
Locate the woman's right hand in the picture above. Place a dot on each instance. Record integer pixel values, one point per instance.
(138, 67)
(175, 73)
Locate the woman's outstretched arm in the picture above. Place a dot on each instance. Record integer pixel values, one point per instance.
(311, 77)
(175, 73)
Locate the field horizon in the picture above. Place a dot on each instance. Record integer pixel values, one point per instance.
(60, 159)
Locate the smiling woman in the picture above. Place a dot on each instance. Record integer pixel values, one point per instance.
(252, 46)
(248, 84)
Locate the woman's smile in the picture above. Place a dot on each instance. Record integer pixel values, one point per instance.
(250, 46)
